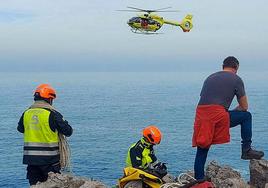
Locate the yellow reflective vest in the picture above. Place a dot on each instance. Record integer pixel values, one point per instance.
(41, 144)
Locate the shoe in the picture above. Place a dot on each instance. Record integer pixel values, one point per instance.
(252, 154)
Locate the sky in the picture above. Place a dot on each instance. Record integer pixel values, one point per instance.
(90, 35)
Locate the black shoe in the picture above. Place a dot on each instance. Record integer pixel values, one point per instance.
(252, 154)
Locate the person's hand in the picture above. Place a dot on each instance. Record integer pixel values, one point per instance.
(239, 108)
(160, 166)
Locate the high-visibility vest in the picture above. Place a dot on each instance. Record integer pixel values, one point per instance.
(41, 144)
(145, 159)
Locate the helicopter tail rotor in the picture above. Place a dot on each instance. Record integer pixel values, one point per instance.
(187, 24)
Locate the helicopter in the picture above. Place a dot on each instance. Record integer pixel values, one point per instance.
(150, 23)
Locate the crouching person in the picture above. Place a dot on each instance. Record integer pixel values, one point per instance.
(41, 125)
(141, 154)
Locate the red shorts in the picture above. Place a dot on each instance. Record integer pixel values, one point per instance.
(211, 126)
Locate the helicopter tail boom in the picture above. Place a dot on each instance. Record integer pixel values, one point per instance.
(186, 24)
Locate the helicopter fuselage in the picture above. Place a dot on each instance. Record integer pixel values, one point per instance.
(146, 23)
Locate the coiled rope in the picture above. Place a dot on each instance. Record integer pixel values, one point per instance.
(182, 180)
(171, 185)
(65, 154)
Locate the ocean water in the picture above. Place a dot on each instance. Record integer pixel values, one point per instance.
(108, 111)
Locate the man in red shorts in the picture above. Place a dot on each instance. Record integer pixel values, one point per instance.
(213, 120)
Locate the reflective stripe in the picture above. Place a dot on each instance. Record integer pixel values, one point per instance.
(38, 144)
(44, 153)
(154, 163)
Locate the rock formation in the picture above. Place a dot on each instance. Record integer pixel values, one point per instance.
(221, 176)
(259, 173)
(68, 181)
(224, 176)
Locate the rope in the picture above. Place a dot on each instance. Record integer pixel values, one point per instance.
(183, 181)
(65, 153)
(180, 181)
(171, 185)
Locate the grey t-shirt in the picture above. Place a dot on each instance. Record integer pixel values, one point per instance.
(220, 88)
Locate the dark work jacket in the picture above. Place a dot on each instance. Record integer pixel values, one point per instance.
(136, 154)
(56, 122)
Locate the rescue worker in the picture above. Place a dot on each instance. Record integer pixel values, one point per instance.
(141, 154)
(213, 120)
(41, 124)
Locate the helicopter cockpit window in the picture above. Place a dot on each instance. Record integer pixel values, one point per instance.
(135, 19)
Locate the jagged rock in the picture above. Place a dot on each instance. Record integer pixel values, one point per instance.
(221, 176)
(68, 181)
(224, 176)
(259, 173)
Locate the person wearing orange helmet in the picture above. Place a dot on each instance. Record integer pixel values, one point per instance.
(41, 125)
(141, 154)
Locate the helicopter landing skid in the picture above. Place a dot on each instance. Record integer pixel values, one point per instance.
(137, 31)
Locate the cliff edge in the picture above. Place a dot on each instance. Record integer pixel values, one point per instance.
(222, 176)
(68, 181)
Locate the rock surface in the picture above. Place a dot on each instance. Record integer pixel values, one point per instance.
(224, 176)
(259, 173)
(221, 176)
(68, 181)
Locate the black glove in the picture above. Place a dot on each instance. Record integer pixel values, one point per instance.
(160, 169)
(160, 166)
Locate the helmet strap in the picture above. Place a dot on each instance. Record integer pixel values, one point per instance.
(50, 101)
(145, 142)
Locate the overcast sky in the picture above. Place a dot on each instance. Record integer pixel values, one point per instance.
(89, 35)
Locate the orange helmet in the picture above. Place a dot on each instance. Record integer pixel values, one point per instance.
(152, 134)
(45, 91)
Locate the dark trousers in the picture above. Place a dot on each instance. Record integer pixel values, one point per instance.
(236, 118)
(40, 173)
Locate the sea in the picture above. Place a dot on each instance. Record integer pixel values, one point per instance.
(108, 111)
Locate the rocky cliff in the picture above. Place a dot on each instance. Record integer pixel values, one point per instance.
(221, 175)
(68, 181)
(259, 173)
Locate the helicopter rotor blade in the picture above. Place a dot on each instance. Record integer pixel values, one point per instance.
(149, 11)
(162, 8)
(129, 10)
(139, 9)
(167, 11)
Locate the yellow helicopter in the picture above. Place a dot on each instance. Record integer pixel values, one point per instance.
(149, 23)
